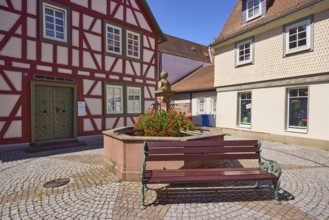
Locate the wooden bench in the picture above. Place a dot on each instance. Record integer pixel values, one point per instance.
(208, 150)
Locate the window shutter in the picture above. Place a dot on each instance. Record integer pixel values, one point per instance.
(244, 11)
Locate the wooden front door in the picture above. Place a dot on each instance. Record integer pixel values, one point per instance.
(53, 112)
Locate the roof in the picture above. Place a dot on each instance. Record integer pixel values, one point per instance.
(183, 48)
(161, 36)
(276, 9)
(200, 80)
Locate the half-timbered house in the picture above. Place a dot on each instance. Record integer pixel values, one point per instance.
(73, 68)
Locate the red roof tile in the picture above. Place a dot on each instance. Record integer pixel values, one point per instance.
(184, 48)
(275, 9)
(199, 80)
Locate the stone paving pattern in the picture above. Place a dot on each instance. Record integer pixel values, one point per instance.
(94, 193)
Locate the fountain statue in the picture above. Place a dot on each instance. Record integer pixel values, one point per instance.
(164, 93)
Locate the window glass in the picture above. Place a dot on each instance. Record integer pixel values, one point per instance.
(298, 37)
(54, 26)
(134, 100)
(133, 44)
(114, 99)
(201, 105)
(297, 108)
(244, 52)
(113, 39)
(253, 9)
(245, 108)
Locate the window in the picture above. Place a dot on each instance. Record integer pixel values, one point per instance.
(113, 39)
(297, 108)
(253, 9)
(245, 109)
(244, 52)
(214, 107)
(54, 23)
(133, 45)
(134, 99)
(298, 37)
(201, 105)
(114, 99)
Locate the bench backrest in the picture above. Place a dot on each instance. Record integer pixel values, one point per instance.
(201, 150)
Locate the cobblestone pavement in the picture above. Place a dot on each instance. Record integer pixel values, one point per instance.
(94, 193)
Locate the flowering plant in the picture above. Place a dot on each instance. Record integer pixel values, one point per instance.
(163, 124)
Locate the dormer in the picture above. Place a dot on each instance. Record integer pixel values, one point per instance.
(252, 9)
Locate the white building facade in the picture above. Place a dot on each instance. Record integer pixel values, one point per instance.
(272, 81)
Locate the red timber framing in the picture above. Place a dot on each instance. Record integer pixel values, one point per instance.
(25, 57)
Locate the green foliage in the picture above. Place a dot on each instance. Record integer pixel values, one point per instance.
(163, 124)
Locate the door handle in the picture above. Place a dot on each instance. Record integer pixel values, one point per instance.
(57, 109)
(63, 110)
(44, 111)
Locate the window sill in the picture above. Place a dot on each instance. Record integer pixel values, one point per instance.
(244, 126)
(300, 51)
(244, 64)
(296, 130)
(253, 18)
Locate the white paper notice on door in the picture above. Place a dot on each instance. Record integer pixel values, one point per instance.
(248, 106)
(81, 108)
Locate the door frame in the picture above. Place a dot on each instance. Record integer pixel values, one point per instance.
(53, 84)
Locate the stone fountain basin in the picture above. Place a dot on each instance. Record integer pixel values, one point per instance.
(124, 153)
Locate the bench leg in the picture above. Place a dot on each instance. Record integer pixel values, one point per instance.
(257, 186)
(143, 206)
(276, 187)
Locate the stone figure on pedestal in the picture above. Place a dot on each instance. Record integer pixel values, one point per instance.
(164, 93)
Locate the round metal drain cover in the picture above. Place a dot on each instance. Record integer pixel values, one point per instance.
(56, 183)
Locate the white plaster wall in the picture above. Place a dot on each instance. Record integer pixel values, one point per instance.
(226, 109)
(319, 111)
(269, 111)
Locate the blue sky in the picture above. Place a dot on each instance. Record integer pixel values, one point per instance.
(195, 20)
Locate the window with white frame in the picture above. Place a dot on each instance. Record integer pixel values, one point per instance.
(134, 104)
(113, 39)
(297, 108)
(214, 107)
(244, 52)
(55, 24)
(253, 9)
(298, 37)
(201, 105)
(114, 99)
(133, 44)
(245, 109)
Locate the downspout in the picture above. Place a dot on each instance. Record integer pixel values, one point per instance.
(210, 55)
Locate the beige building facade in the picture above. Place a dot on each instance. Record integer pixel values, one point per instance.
(272, 81)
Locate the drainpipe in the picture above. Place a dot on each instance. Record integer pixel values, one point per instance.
(210, 55)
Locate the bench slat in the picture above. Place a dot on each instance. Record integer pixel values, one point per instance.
(151, 145)
(207, 178)
(213, 156)
(201, 150)
(202, 171)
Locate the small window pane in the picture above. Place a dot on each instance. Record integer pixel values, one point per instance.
(303, 92)
(49, 19)
(60, 35)
(302, 35)
(293, 38)
(301, 43)
(302, 28)
(59, 15)
(293, 92)
(50, 33)
(293, 31)
(49, 11)
(292, 45)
